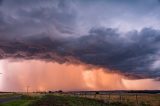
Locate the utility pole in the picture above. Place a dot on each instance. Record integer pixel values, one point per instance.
(27, 89)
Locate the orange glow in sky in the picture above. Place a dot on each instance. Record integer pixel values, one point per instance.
(43, 76)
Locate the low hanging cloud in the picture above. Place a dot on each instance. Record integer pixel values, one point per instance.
(133, 54)
(47, 30)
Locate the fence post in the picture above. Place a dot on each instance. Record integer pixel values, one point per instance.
(85, 94)
(136, 99)
(95, 96)
(120, 97)
(109, 98)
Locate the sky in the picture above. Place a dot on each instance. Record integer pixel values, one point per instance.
(79, 45)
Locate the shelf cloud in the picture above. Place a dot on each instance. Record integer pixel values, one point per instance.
(135, 54)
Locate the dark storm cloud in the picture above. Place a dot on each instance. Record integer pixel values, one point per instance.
(133, 55)
(28, 18)
(1, 2)
(47, 30)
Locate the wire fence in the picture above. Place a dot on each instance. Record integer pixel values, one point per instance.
(134, 99)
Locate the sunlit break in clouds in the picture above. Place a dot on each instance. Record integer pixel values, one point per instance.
(79, 45)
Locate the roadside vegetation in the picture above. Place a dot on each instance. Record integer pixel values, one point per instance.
(6, 95)
(24, 100)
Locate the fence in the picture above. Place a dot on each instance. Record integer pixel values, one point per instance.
(137, 99)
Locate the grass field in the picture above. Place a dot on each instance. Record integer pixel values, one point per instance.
(125, 99)
(54, 100)
(134, 99)
(63, 100)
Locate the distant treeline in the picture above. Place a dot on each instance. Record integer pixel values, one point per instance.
(145, 91)
(117, 91)
(100, 92)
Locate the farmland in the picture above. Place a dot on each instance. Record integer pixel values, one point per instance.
(127, 98)
(83, 99)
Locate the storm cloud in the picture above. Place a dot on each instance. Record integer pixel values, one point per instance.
(20, 18)
(135, 54)
(53, 30)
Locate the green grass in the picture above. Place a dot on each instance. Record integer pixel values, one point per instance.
(57, 100)
(87, 100)
(23, 101)
(62, 100)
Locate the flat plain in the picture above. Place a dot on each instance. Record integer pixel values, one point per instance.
(74, 99)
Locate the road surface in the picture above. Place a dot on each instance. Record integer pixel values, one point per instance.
(8, 99)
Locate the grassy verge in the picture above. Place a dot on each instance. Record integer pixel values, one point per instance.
(8, 95)
(23, 101)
